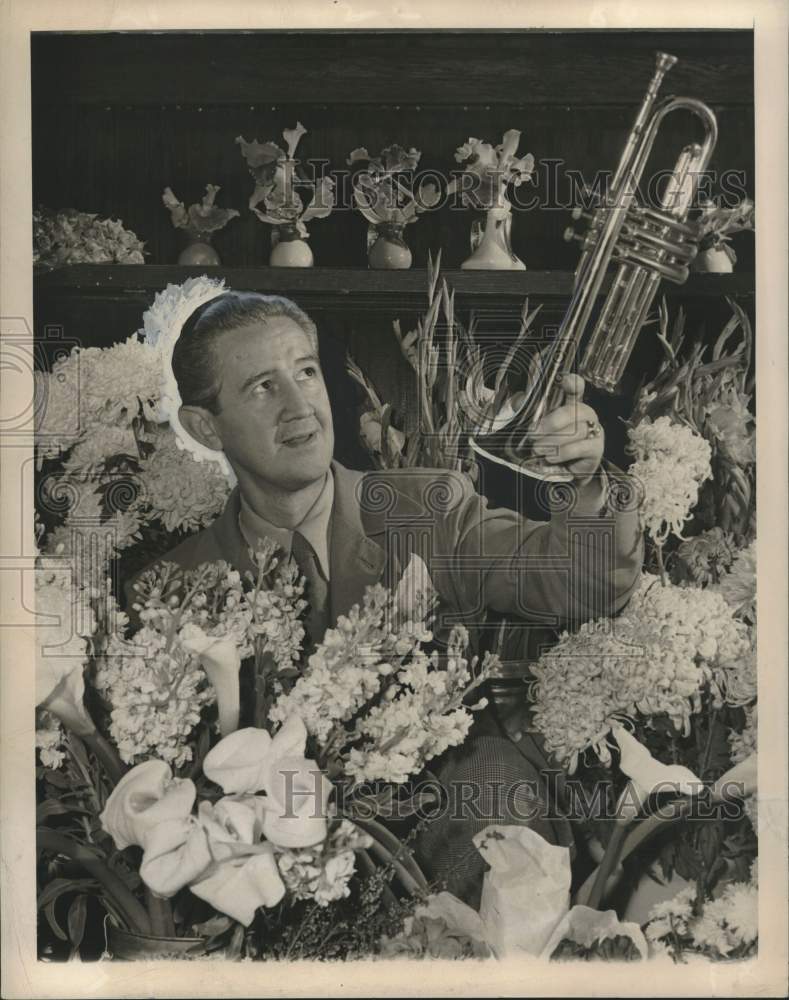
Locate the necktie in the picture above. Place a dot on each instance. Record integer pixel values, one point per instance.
(316, 591)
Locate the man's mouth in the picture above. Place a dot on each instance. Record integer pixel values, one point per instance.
(301, 439)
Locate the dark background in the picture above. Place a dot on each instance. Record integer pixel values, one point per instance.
(119, 116)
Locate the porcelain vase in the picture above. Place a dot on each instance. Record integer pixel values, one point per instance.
(199, 253)
(289, 249)
(713, 261)
(388, 249)
(493, 250)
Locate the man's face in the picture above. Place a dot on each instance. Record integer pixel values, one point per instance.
(274, 417)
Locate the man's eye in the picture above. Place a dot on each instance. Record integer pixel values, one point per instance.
(263, 386)
(309, 371)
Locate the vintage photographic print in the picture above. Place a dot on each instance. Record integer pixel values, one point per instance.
(393, 495)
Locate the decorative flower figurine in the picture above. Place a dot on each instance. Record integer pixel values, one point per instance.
(487, 173)
(389, 203)
(716, 226)
(198, 222)
(276, 179)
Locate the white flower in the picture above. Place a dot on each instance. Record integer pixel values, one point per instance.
(183, 493)
(671, 462)
(49, 739)
(655, 659)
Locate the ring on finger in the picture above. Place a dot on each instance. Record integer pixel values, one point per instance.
(593, 428)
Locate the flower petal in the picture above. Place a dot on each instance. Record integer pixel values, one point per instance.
(649, 775)
(145, 797)
(176, 852)
(238, 762)
(296, 795)
(239, 886)
(221, 660)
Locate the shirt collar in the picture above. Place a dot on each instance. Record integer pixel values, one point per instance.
(314, 527)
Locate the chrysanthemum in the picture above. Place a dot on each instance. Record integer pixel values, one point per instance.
(185, 494)
(655, 659)
(671, 462)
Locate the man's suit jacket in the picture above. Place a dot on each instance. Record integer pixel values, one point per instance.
(554, 573)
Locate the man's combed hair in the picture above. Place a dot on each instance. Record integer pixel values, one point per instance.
(196, 353)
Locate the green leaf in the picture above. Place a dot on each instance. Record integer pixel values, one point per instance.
(77, 748)
(77, 915)
(49, 913)
(57, 779)
(48, 808)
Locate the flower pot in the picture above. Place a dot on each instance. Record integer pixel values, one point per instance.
(389, 250)
(493, 251)
(199, 253)
(289, 249)
(714, 261)
(128, 946)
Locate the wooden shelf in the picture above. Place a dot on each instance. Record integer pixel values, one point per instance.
(348, 284)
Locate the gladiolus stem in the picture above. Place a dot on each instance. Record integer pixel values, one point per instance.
(161, 915)
(106, 754)
(133, 911)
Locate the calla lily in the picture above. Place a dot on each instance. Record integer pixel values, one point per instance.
(296, 795)
(221, 660)
(648, 775)
(151, 809)
(250, 761)
(145, 797)
(65, 700)
(740, 780)
(61, 649)
(239, 886)
(415, 592)
(237, 763)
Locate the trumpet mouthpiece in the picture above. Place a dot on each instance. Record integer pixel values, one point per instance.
(664, 62)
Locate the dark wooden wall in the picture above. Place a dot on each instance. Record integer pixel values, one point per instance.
(117, 117)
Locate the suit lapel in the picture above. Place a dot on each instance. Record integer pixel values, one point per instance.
(356, 561)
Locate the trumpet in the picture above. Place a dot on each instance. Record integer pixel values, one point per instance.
(645, 244)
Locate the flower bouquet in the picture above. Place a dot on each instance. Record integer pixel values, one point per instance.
(716, 226)
(277, 176)
(657, 706)
(488, 172)
(71, 237)
(172, 743)
(198, 222)
(212, 823)
(388, 202)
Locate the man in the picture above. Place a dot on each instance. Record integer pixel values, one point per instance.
(251, 386)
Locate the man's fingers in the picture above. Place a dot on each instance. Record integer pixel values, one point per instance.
(573, 385)
(573, 450)
(570, 417)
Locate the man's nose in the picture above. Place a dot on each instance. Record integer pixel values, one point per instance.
(295, 405)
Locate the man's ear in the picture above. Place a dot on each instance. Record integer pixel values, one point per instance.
(198, 422)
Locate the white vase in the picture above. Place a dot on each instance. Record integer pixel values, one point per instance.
(388, 250)
(288, 249)
(494, 251)
(713, 261)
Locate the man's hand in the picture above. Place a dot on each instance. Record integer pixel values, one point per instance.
(571, 435)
